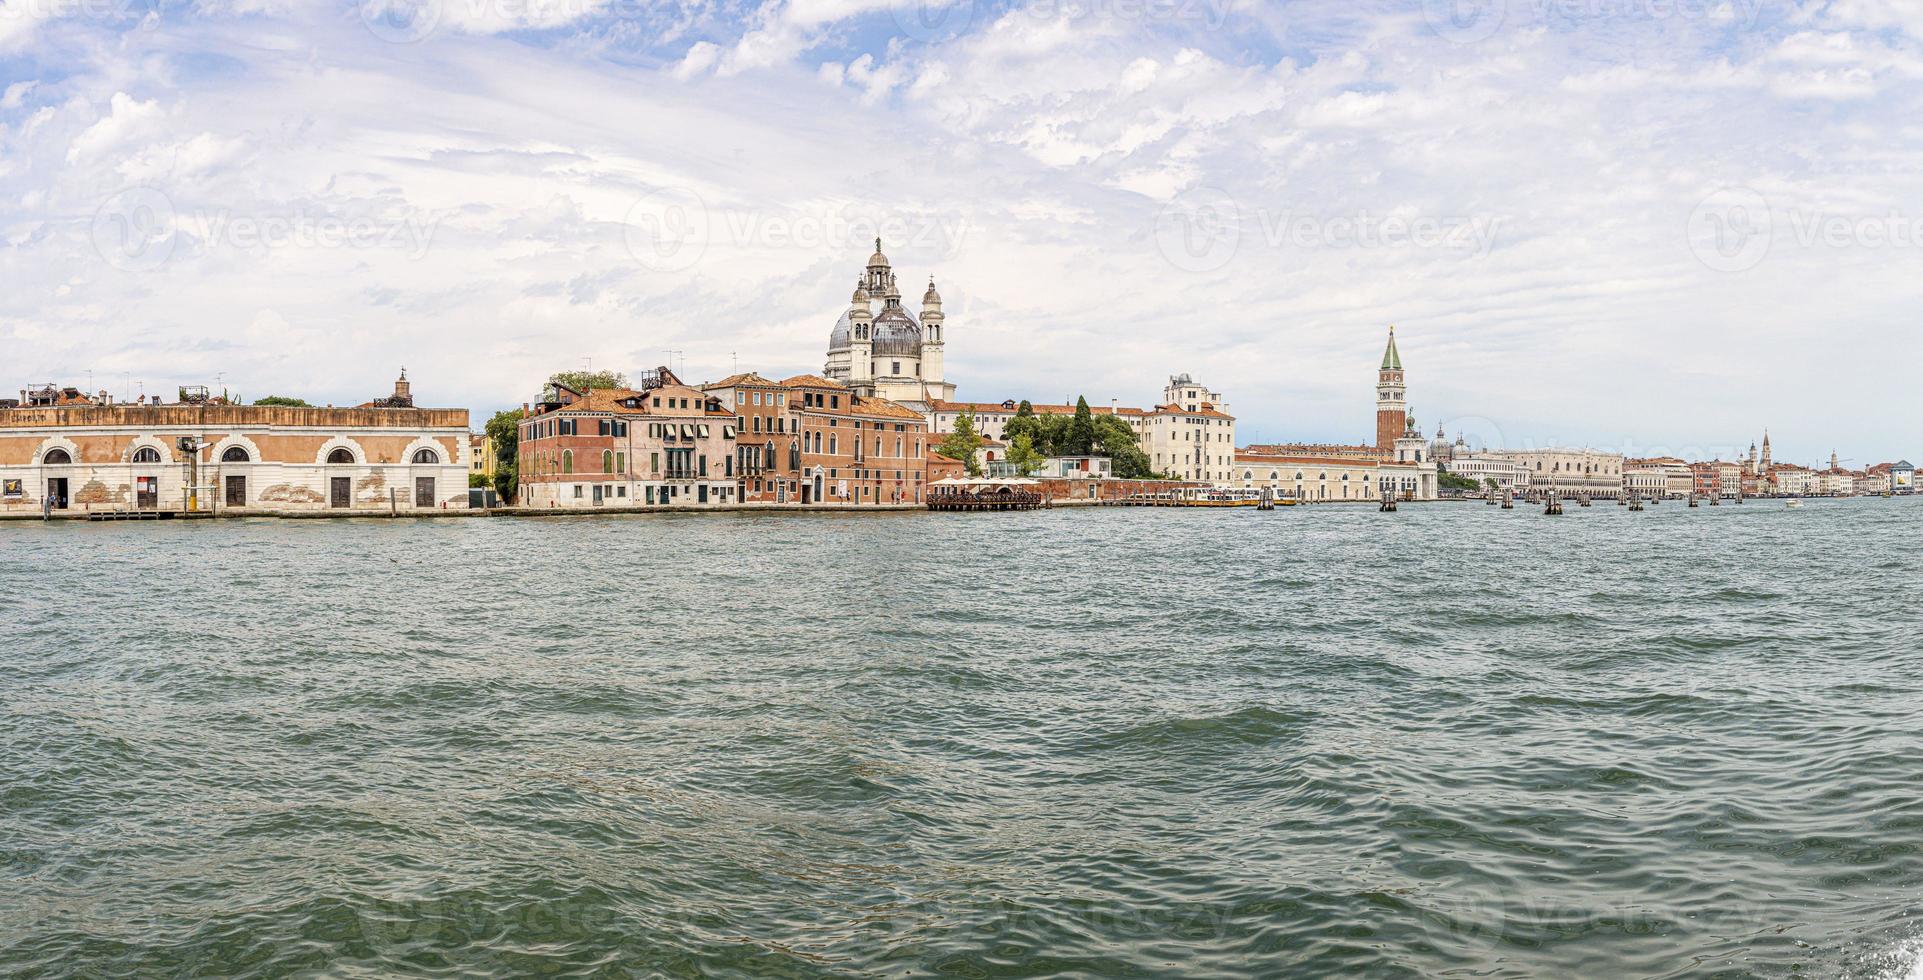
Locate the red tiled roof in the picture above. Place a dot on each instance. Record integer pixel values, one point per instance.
(997, 408)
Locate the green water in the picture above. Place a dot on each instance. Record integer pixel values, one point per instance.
(1453, 741)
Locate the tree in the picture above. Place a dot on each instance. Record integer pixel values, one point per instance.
(583, 380)
(1116, 440)
(1026, 424)
(961, 444)
(504, 434)
(1449, 481)
(282, 401)
(1080, 438)
(1022, 454)
(1489, 484)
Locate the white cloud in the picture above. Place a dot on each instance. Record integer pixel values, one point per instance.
(467, 204)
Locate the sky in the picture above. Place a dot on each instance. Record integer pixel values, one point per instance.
(1650, 226)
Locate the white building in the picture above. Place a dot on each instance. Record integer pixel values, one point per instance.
(1569, 472)
(879, 349)
(1510, 476)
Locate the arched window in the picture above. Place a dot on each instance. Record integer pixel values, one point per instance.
(340, 456)
(146, 454)
(235, 454)
(567, 460)
(607, 460)
(56, 457)
(426, 456)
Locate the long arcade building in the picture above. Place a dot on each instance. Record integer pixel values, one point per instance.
(65, 452)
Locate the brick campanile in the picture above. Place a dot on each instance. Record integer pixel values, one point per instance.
(1391, 399)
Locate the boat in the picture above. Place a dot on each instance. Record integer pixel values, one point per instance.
(1793, 503)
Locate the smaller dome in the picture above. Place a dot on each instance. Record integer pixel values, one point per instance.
(931, 296)
(877, 259)
(860, 298)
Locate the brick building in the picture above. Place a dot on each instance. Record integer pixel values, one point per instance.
(768, 438)
(661, 444)
(857, 450)
(65, 451)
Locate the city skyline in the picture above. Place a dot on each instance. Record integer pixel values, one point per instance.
(438, 186)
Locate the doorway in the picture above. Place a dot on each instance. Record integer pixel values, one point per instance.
(147, 492)
(236, 491)
(598, 495)
(701, 494)
(57, 492)
(340, 491)
(424, 491)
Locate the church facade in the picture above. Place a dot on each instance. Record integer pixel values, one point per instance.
(879, 349)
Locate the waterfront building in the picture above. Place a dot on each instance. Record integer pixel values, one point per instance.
(1398, 464)
(1874, 481)
(1898, 478)
(1729, 478)
(1306, 473)
(941, 468)
(62, 449)
(1568, 472)
(1706, 479)
(1836, 482)
(1078, 468)
(660, 443)
(767, 438)
(1509, 475)
(1661, 477)
(1192, 444)
(878, 349)
(858, 449)
(1790, 480)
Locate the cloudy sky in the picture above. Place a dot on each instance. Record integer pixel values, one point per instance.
(1638, 224)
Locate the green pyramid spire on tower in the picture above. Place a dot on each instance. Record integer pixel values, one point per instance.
(1391, 359)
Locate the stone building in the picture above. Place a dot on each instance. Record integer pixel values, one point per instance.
(878, 349)
(64, 451)
(1570, 472)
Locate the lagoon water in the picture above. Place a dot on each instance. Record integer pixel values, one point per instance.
(1452, 741)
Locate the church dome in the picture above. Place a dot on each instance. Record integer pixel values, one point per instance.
(843, 333)
(896, 332)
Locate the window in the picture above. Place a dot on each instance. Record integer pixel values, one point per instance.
(341, 456)
(567, 466)
(426, 456)
(607, 461)
(234, 454)
(146, 454)
(621, 464)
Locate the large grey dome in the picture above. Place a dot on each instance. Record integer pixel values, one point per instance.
(843, 334)
(896, 332)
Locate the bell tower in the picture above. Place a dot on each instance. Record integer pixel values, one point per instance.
(1391, 399)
